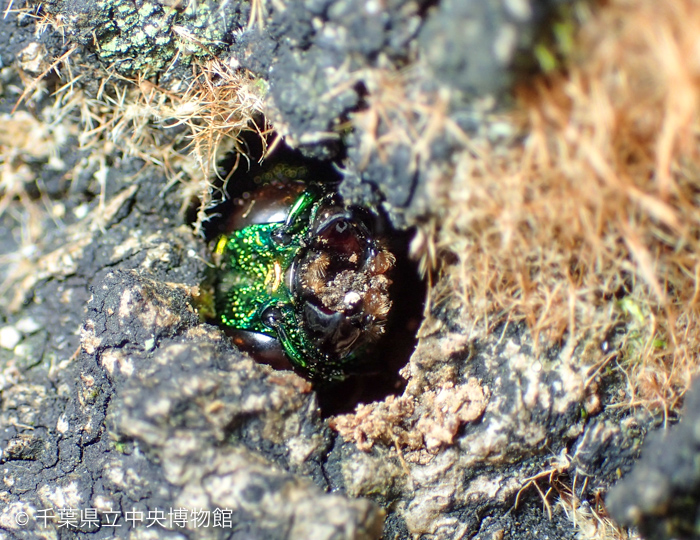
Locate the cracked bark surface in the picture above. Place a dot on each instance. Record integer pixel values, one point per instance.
(114, 396)
(120, 399)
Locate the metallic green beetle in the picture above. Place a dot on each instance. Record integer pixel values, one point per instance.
(303, 279)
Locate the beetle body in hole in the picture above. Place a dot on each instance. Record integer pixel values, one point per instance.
(303, 279)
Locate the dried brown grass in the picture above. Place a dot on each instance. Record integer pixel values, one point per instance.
(576, 211)
(136, 117)
(592, 217)
(558, 493)
(179, 131)
(590, 520)
(169, 127)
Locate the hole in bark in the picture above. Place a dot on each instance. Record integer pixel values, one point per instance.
(377, 374)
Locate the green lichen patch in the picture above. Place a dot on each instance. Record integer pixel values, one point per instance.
(147, 37)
